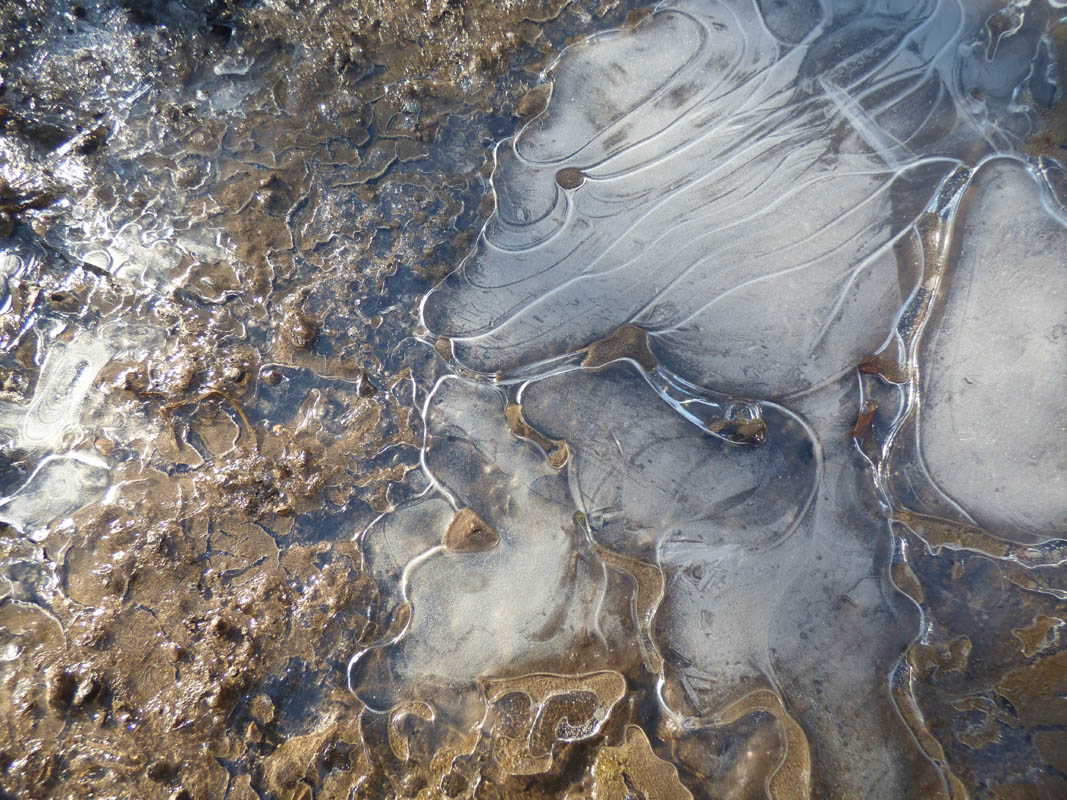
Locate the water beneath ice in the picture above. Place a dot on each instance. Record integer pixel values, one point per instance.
(729, 462)
(723, 211)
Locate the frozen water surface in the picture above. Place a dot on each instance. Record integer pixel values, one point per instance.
(996, 385)
(726, 209)
(729, 462)
(743, 172)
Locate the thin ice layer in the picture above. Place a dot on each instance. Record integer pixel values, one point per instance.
(995, 387)
(57, 418)
(767, 559)
(60, 485)
(770, 560)
(467, 617)
(754, 186)
(740, 194)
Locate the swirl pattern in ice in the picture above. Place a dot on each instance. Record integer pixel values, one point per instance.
(646, 463)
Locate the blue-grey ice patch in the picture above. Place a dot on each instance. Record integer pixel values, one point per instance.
(57, 487)
(57, 426)
(759, 195)
(992, 391)
(735, 192)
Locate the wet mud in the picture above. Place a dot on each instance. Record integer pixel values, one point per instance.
(533, 399)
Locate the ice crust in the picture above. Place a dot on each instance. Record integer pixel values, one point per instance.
(771, 192)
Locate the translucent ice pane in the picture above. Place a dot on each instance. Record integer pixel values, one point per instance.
(995, 387)
(59, 486)
(740, 195)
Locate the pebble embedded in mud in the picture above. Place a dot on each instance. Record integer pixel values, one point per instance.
(469, 533)
(298, 329)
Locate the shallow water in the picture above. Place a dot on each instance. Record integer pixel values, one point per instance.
(571, 400)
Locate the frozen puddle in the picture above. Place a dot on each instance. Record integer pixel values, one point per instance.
(56, 424)
(652, 454)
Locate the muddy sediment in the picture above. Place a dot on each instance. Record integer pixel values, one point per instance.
(216, 222)
(267, 187)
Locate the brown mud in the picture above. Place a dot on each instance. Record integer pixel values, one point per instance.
(190, 633)
(187, 637)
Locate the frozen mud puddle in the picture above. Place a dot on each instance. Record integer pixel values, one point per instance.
(1002, 374)
(56, 428)
(728, 464)
(767, 285)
